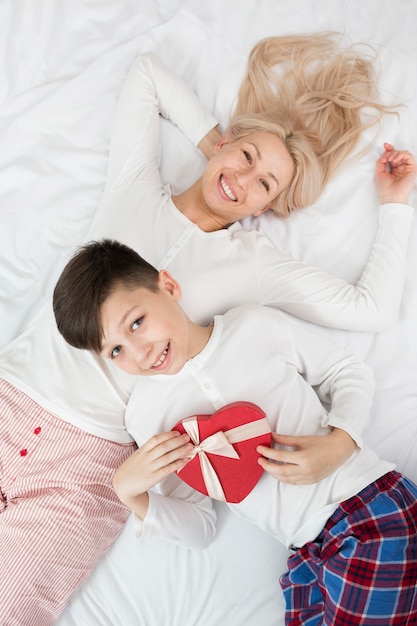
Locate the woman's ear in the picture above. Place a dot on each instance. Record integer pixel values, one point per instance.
(219, 145)
(167, 283)
(224, 140)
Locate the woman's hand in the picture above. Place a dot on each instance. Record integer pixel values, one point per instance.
(160, 456)
(395, 175)
(311, 459)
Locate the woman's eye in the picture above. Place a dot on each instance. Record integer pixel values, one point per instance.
(265, 184)
(248, 156)
(137, 323)
(115, 352)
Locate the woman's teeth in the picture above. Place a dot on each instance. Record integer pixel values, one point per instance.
(229, 193)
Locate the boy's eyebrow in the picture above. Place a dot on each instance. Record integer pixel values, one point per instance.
(120, 323)
(104, 344)
(259, 156)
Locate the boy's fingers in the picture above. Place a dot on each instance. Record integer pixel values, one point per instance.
(178, 453)
(172, 451)
(288, 457)
(166, 441)
(172, 467)
(288, 440)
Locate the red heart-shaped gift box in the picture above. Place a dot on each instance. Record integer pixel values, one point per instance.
(240, 427)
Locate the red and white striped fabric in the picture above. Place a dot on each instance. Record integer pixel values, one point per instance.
(58, 510)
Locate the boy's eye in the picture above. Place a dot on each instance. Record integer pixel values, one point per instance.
(265, 184)
(115, 352)
(248, 156)
(137, 323)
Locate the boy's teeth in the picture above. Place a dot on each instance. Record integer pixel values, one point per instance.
(161, 358)
(227, 189)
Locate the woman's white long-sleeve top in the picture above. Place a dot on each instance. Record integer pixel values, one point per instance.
(217, 270)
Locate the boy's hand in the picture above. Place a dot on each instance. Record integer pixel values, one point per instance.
(395, 175)
(160, 456)
(312, 459)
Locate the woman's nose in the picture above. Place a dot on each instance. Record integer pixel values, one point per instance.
(242, 179)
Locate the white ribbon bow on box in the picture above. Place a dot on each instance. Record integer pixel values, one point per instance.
(220, 443)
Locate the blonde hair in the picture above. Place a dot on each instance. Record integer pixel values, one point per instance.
(317, 96)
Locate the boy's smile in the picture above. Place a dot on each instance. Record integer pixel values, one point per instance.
(146, 332)
(161, 359)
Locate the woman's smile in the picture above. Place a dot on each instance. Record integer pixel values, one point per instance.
(227, 188)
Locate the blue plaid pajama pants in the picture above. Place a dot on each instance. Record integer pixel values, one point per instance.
(362, 568)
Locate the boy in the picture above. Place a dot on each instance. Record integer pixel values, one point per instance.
(353, 533)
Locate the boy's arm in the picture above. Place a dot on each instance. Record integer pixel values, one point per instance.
(173, 511)
(343, 381)
(178, 514)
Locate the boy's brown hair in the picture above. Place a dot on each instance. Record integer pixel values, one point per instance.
(87, 280)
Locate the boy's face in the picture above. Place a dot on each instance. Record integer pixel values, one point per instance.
(147, 333)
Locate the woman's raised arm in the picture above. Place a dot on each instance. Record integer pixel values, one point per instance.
(372, 304)
(151, 90)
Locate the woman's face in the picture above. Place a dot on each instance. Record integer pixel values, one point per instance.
(246, 175)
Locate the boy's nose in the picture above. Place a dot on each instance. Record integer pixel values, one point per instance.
(141, 353)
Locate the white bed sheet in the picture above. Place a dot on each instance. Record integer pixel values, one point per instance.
(62, 64)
